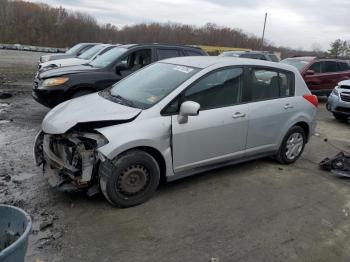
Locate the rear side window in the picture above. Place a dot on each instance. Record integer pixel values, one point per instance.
(168, 53)
(330, 66)
(254, 56)
(217, 89)
(273, 58)
(192, 53)
(268, 84)
(316, 67)
(343, 66)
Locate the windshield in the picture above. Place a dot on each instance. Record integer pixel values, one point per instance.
(299, 64)
(109, 57)
(91, 52)
(151, 84)
(73, 50)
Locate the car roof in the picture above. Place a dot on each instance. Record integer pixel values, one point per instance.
(207, 61)
(128, 46)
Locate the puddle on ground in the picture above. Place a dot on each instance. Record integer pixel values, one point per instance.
(4, 121)
(4, 107)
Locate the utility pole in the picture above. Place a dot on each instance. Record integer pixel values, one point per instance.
(263, 35)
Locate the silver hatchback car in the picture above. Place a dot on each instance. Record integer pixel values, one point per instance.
(172, 119)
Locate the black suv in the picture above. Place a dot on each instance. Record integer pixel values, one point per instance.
(261, 55)
(60, 84)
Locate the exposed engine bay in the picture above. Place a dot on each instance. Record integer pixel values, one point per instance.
(70, 161)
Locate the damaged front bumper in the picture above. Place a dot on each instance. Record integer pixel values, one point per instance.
(70, 161)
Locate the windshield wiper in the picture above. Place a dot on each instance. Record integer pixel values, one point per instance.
(124, 101)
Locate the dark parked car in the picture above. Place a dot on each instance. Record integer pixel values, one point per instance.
(60, 84)
(320, 75)
(260, 55)
(75, 51)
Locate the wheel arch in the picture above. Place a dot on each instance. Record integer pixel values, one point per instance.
(156, 154)
(305, 126)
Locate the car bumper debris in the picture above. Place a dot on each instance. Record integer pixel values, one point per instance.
(338, 165)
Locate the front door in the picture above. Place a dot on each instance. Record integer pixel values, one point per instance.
(219, 132)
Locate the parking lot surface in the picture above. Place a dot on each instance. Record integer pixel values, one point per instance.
(256, 211)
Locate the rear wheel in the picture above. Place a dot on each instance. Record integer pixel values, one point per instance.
(340, 117)
(292, 145)
(131, 180)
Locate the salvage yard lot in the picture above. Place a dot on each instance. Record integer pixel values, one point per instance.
(257, 211)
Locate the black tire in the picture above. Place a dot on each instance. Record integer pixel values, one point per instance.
(340, 117)
(284, 156)
(120, 188)
(80, 93)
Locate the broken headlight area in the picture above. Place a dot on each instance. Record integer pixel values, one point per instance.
(70, 161)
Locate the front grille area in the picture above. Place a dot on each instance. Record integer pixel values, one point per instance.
(345, 96)
(343, 109)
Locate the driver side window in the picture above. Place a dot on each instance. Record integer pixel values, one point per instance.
(137, 59)
(217, 89)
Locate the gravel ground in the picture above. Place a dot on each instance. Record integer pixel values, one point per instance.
(257, 211)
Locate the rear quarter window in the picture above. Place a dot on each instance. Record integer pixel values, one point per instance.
(192, 53)
(343, 66)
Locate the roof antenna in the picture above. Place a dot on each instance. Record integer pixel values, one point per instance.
(263, 35)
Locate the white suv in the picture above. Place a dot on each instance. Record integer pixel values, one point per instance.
(175, 118)
(339, 101)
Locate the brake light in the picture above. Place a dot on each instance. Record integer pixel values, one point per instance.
(312, 99)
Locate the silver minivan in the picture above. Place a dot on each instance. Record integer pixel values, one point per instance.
(172, 119)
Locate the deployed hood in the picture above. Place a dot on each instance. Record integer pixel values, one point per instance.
(66, 70)
(92, 109)
(64, 62)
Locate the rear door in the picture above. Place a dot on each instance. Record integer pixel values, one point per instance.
(344, 69)
(332, 75)
(219, 132)
(271, 104)
(318, 80)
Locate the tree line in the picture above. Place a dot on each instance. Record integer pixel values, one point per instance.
(40, 24)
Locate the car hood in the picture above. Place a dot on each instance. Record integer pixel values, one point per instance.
(53, 57)
(65, 62)
(66, 71)
(90, 110)
(344, 83)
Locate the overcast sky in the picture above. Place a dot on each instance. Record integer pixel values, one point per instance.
(294, 23)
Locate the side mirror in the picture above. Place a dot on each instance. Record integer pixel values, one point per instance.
(310, 72)
(120, 67)
(188, 108)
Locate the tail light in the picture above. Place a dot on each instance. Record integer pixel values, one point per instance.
(312, 99)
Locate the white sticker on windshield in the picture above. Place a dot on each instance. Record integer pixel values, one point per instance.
(183, 69)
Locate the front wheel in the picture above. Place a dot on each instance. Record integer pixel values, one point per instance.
(131, 179)
(292, 145)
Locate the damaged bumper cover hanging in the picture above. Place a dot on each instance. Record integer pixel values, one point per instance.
(70, 161)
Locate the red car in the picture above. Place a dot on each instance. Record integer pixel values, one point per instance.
(320, 75)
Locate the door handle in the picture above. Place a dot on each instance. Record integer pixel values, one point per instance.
(238, 115)
(288, 106)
